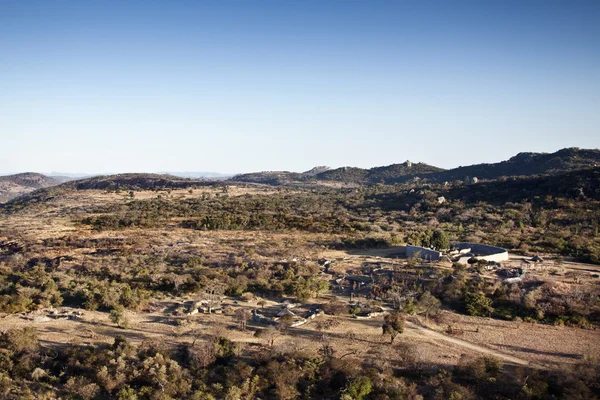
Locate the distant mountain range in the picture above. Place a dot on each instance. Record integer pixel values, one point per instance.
(521, 165)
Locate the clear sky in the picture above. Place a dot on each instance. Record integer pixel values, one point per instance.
(239, 86)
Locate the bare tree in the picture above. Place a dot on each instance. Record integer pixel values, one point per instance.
(242, 315)
(326, 350)
(269, 335)
(285, 322)
(213, 295)
(428, 304)
(203, 354)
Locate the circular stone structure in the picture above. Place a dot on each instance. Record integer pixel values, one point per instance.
(480, 251)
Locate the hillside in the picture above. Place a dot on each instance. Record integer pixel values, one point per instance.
(12, 186)
(136, 181)
(582, 185)
(344, 174)
(120, 182)
(317, 170)
(528, 164)
(275, 178)
(391, 174)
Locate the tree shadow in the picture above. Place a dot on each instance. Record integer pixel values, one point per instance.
(160, 319)
(318, 336)
(533, 351)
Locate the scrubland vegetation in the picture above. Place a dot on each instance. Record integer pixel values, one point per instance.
(117, 247)
(214, 370)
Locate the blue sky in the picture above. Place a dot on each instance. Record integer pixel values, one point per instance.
(239, 86)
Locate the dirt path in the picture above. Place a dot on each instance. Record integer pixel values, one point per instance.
(463, 343)
(569, 265)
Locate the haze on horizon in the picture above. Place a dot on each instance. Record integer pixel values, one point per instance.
(240, 86)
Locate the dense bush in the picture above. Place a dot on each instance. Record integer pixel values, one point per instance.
(211, 370)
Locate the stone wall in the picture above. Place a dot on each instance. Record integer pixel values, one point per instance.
(425, 254)
(482, 251)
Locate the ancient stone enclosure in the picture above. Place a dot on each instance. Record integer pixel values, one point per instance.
(461, 252)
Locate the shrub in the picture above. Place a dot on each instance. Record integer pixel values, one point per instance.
(478, 304)
(117, 316)
(359, 388)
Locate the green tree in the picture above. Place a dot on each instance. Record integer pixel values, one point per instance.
(127, 393)
(440, 240)
(302, 289)
(478, 304)
(393, 325)
(117, 316)
(320, 287)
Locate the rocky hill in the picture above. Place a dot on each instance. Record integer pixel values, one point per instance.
(582, 184)
(136, 181)
(277, 178)
(12, 186)
(391, 174)
(523, 164)
(317, 170)
(527, 164)
(395, 173)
